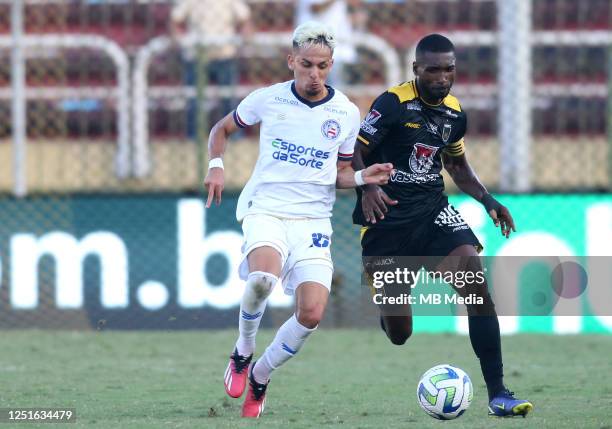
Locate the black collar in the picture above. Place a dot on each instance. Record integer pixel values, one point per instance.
(311, 104)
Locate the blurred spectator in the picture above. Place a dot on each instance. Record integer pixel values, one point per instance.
(335, 14)
(211, 18)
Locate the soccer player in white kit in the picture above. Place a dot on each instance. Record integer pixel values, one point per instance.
(308, 131)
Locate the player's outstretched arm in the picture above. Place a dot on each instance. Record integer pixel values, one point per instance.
(465, 178)
(217, 141)
(374, 201)
(375, 174)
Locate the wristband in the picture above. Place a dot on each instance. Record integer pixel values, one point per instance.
(215, 163)
(359, 178)
(490, 203)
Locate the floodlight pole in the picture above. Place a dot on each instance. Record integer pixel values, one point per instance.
(609, 118)
(514, 82)
(18, 111)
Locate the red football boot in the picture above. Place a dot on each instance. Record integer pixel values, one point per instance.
(236, 374)
(255, 400)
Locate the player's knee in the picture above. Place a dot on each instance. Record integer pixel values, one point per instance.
(310, 316)
(261, 284)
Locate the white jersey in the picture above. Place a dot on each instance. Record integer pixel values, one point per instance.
(300, 143)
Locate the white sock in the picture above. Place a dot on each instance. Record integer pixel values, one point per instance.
(258, 287)
(288, 341)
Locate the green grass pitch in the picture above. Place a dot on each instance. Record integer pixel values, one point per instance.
(341, 378)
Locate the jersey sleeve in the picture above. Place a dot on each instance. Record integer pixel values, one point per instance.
(347, 147)
(457, 148)
(249, 111)
(382, 117)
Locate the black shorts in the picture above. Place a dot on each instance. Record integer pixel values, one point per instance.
(424, 243)
(437, 235)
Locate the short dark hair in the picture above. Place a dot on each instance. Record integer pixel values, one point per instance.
(436, 43)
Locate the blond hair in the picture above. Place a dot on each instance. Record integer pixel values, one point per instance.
(313, 33)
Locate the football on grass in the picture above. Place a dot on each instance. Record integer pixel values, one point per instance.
(444, 392)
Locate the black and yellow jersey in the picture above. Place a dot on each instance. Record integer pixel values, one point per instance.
(402, 129)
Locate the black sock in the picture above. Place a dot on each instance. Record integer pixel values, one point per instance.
(484, 336)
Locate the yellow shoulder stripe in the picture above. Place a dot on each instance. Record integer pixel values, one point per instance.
(362, 140)
(452, 102)
(405, 92)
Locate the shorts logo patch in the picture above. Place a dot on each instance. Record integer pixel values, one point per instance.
(422, 158)
(330, 129)
(320, 240)
(450, 217)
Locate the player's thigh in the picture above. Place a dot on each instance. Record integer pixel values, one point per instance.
(265, 245)
(469, 279)
(465, 264)
(309, 253)
(266, 259)
(383, 256)
(447, 232)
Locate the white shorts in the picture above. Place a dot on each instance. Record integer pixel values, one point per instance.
(304, 246)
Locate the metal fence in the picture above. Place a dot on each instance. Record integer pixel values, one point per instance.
(116, 100)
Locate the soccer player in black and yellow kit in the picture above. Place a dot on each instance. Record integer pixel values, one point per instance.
(419, 127)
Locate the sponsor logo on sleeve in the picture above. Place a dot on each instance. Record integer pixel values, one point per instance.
(451, 113)
(371, 118)
(413, 105)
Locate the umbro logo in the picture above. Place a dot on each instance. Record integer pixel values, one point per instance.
(432, 128)
(451, 114)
